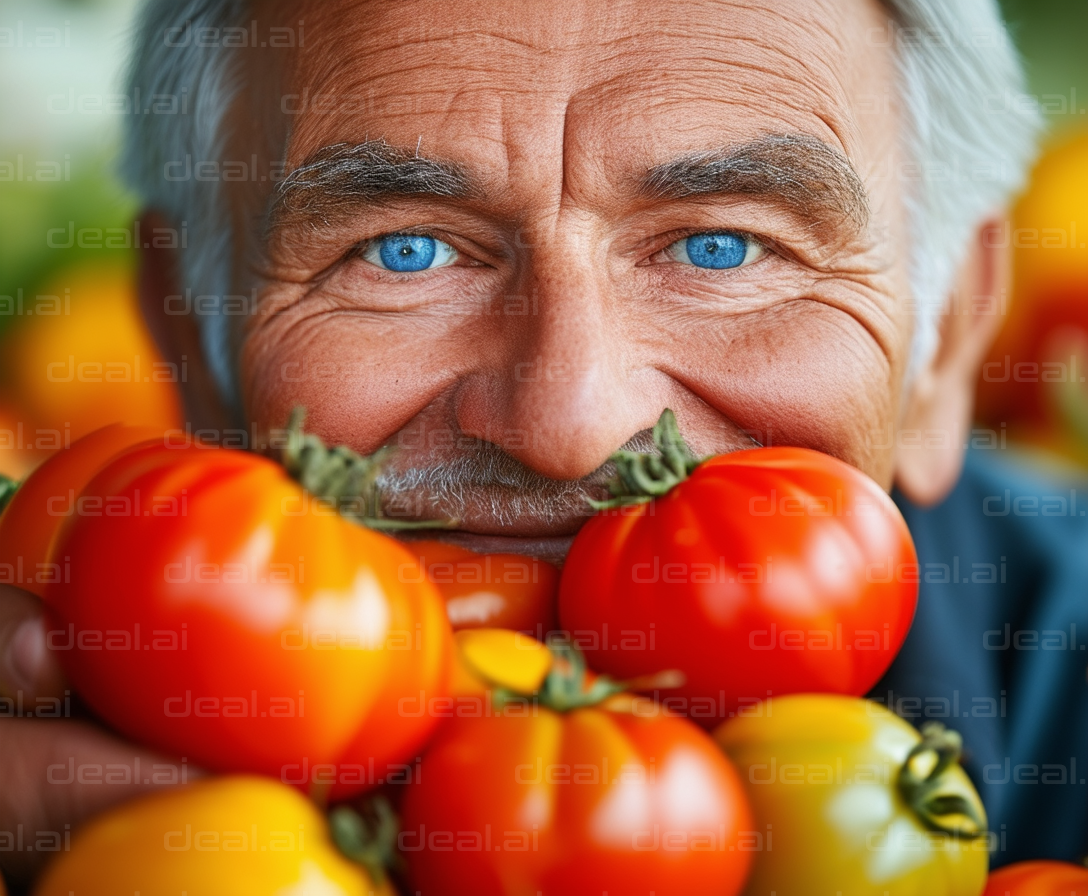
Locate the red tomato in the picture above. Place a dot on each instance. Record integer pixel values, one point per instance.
(29, 524)
(1041, 878)
(491, 590)
(207, 609)
(619, 798)
(766, 572)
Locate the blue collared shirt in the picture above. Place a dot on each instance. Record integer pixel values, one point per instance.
(999, 647)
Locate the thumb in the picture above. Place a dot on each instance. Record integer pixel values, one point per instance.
(27, 667)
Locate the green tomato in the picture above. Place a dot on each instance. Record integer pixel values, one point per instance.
(853, 801)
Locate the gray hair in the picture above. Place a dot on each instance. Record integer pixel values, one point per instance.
(967, 158)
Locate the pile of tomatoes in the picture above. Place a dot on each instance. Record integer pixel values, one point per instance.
(677, 712)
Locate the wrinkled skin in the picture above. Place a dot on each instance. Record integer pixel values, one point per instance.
(563, 330)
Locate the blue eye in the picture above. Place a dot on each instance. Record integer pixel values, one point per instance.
(717, 250)
(406, 252)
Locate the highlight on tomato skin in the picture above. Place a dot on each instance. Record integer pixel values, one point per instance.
(762, 572)
(400, 723)
(509, 591)
(1038, 878)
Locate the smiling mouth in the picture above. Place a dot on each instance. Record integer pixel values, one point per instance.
(552, 549)
(495, 505)
(493, 520)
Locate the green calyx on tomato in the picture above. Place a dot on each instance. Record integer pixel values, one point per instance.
(343, 478)
(641, 477)
(7, 490)
(368, 839)
(568, 685)
(922, 782)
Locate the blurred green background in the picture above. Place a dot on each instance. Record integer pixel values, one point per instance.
(50, 52)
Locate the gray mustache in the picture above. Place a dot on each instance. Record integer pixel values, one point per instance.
(484, 479)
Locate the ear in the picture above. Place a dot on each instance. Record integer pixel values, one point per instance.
(941, 400)
(174, 326)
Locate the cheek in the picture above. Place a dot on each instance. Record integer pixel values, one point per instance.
(358, 379)
(809, 375)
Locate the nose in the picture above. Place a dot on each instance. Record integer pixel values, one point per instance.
(564, 394)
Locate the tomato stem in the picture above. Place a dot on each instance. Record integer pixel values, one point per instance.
(565, 688)
(641, 477)
(343, 478)
(922, 780)
(372, 842)
(8, 487)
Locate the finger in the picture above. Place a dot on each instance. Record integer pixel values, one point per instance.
(56, 774)
(28, 669)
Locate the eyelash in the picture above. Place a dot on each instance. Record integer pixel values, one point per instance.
(762, 244)
(759, 244)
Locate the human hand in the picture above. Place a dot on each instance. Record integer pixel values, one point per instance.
(55, 770)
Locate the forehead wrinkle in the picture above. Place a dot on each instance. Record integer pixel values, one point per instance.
(765, 85)
(814, 90)
(705, 31)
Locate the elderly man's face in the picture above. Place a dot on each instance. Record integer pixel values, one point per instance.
(576, 147)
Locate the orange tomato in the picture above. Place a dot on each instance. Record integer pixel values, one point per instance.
(507, 591)
(31, 521)
(88, 360)
(1041, 346)
(1040, 878)
(19, 442)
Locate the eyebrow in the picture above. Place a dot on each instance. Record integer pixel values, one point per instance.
(808, 177)
(335, 180)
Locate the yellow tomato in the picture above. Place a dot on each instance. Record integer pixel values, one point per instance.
(232, 836)
(79, 357)
(826, 781)
(1049, 230)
